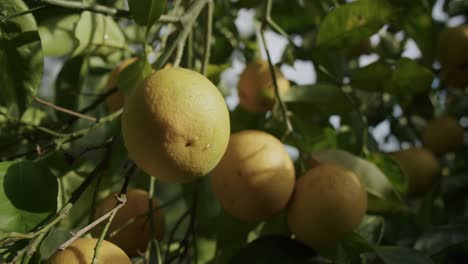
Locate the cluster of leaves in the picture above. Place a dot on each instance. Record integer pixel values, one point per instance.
(47, 154)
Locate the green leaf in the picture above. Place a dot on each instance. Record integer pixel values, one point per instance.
(207, 209)
(58, 36)
(273, 249)
(442, 238)
(381, 193)
(20, 58)
(351, 23)
(401, 255)
(325, 98)
(276, 225)
(410, 78)
(28, 195)
(69, 83)
(98, 34)
(373, 77)
(391, 169)
(418, 24)
(146, 12)
(350, 248)
(231, 235)
(371, 228)
(133, 74)
(406, 77)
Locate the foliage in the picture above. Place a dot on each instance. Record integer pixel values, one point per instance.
(61, 148)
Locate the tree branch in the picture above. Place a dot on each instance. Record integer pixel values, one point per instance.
(86, 6)
(187, 20)
(208, 32)
(64, 110)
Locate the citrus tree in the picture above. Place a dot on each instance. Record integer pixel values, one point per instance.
(188, 131)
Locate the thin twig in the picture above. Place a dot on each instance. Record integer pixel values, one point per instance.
(96, 222)
(87, 6)
(208, 32)
(29, 11)
(283, 108)
(187, 20)
(172, 234)
(121, 202)
(145, 214)
(65, 110)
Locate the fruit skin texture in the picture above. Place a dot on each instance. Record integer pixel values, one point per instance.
(176, 125)
(256, 89)
(81, 252)
(117, 99)
(255, 179)
(442, 135)
(328, 202)
(136, 235)
(421, 167)
(453, 55)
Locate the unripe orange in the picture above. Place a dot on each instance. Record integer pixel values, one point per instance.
(328, 202)
(132, 237)
(175, 125)
(421, 167)
(117, 99)
(255, 178)
(443, 134)
(256, 89)
(81, 251)
(453, 55)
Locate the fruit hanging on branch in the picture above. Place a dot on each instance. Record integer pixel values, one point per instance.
(81, 251)
(421, 167)
(256, 89)
(117, 100)
(176, 125)
(328, 202)
(443, 134)
(255, 178)
(131, 227)
(453, 55)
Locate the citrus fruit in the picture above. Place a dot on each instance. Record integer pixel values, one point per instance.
(256, 89)
(255, 178)
(421, 167)
(176, 125)
(131, 223)
(453, 55)
(81, 251)
(116, 100)
(443, 134)
(328, 202)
